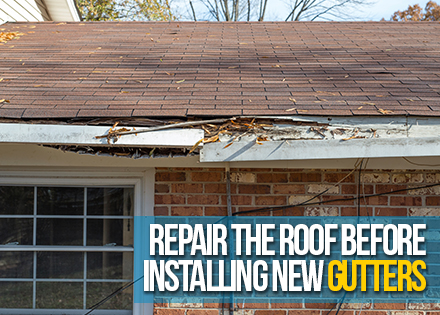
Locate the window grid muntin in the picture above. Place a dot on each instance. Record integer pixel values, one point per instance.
(66, 248)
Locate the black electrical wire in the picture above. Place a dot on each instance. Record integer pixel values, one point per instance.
(306, 203)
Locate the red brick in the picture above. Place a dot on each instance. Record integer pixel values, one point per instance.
(305, 177)
(305, 312)
(169, 199)
(254, 189)
(160, 305)
(336, 177)
(187, 188)
(161, 188)
(289, 189)
(391, 211)
(202, 312)
(340, 202)
(216, 211)
(433, 201)
(260, 213)
(341, 312)
(270, 200)
(272, 178)
(352, 189)
(352, 211)
(388, 188)
(170, 177)
(270, 312)
(296, 211)
(286, 305)
(216, 305)
(390, 306)
(186, 211)
(161, 211)
(215, 188)
(405, 201)
(238, 200)
(206, 176)
(167, 311)
(377, 200)
(203, 200)
(323, 306)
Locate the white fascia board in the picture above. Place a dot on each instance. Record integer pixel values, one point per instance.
(62, 10)
(316, 149)
(85, 136)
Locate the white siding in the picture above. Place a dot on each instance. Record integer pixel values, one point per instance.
(37, 10)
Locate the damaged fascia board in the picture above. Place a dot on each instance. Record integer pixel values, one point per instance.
(85, 136)
(389, 136)
(325, 149)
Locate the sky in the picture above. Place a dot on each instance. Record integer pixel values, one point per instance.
(375, 12)
(278, 9)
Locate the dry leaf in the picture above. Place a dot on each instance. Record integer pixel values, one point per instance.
(124, 92)
(169, 73)
(385, 111)
(228, 145)
(302, 110)
(180, 81)
(290, 109)
(409, 99)
(368, 103)
(292, 99)
(284, 80)
(330, 78)
(152, 39)
(1, 79)
(360, 107)
(276, 66)
(82, 78)
(62, 23)
(346, 76)
(32, 26)
(4, 101)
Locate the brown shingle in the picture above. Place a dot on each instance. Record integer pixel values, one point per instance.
(114, 69)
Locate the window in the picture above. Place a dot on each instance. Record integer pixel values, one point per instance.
(65, 248)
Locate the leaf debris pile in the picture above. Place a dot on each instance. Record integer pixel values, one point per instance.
(6, 36)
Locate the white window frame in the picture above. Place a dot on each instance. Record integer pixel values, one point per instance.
(141, 179)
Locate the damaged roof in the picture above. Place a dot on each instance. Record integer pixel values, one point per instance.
(195, 69)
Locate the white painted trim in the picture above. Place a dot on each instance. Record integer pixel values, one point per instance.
(85, 135)
(73, 10)
(320, 149)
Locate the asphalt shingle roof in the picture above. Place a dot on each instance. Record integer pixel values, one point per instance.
(181, 69)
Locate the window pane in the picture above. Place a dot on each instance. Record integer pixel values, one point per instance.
(16, 265)
(15, 294)
(16, 200)
(60, 200)
(110, 201)
(96, 291)
(59, 231)
(17, 231)
(117, 232)
(67, 265)
(109, 265)
(59, 295)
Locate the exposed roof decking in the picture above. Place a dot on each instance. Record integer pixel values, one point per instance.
(134, 69)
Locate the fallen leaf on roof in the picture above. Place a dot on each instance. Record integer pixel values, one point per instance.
(1, 79)
(4, 101)
(380, 95)
(388, 49)
(276, 66)
(62, 23)
(264, 57)
(409, 99)
(368, 103)
(161, 60)
(82, 78)
(32, 26)
(346, 76)
(81, 24)
(98, 71)
(152, 39)
(290, 109)
(385, 111)
(330, 78)
(302, 110)
(169, 73)
(180, 81)
(292, 99)
(124, 92)
(360, 107)
(284, 80)
(250, 101)
(5, 36)
(243, 43)
(233, 67)
(31, 32)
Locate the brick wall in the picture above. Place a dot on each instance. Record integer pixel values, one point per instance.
(197, 191)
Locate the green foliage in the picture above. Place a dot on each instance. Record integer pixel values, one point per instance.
(125, 10)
